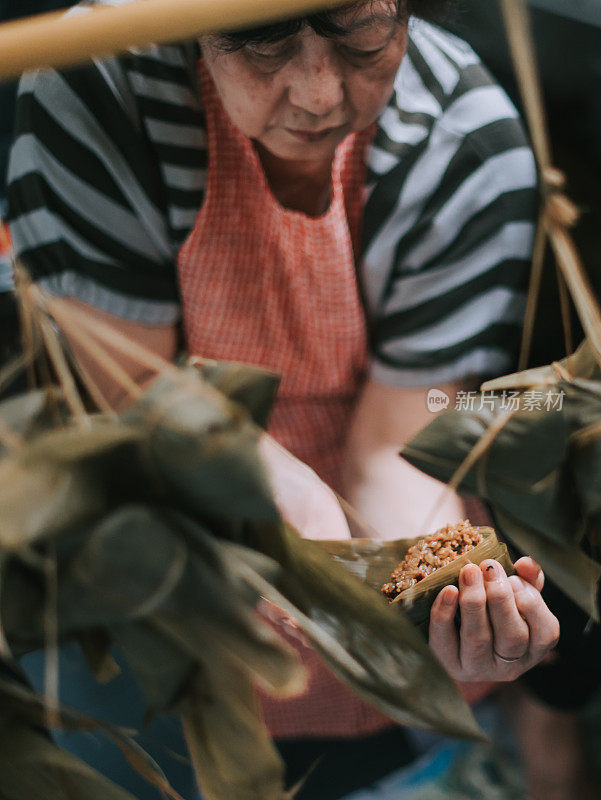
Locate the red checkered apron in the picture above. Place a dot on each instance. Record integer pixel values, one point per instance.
(276, 288)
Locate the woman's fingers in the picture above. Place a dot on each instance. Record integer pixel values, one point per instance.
(511, 635)
(530, 571)
(443, 633)
(506, 626)
(475, 650)
(543, 625)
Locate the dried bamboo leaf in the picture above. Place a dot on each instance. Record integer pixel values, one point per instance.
(53, 40)
(581, 364)
(579, 285)
(32, 413)
(63, 374)
(374, 560)
(231, 750)
(19, 412)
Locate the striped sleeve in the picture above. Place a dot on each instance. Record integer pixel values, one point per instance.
(105, 180)
(449, 223)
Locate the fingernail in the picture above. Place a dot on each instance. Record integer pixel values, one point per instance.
(470, 575)
(491, 573)
(448, 597)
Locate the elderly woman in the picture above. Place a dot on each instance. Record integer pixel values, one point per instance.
(346, 199)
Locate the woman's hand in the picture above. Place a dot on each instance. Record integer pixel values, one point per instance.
(506, 628)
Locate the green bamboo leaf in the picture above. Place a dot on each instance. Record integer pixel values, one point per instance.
(230, 747)
(540, 477)
(22, 603)
(32, 766)
(370, 645)
(74, 445)
(137, 565)
(39, 499)
(95, 644)
(231, 626)
(22, 706)
(253, 388)
(200, 454)
(159, 666)
(59, 480)
(586, 470)
(128, 565)
(568, 567)
(525, 471)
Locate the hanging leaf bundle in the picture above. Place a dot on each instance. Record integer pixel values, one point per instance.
(155, 531)
(539, 467)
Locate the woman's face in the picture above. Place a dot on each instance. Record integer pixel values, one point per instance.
(301, 96)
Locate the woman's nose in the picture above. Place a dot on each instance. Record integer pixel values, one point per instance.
(317, 86)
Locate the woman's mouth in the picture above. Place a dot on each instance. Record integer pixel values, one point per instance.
(311, 136)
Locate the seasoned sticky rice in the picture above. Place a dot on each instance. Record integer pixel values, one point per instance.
(431, 553)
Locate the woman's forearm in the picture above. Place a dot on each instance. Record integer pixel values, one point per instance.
(395, 498)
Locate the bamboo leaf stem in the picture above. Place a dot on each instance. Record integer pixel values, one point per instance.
(59, 40)
(63, 373)
(98, 353)
(559, 214)
(72, 317)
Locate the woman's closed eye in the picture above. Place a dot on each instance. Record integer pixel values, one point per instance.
(361, 56)
(269, 56)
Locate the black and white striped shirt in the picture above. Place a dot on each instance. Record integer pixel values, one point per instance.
(108, 169)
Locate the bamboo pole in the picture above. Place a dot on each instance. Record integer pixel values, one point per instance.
(60, 40)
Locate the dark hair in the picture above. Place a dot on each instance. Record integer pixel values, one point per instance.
(325, 23)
